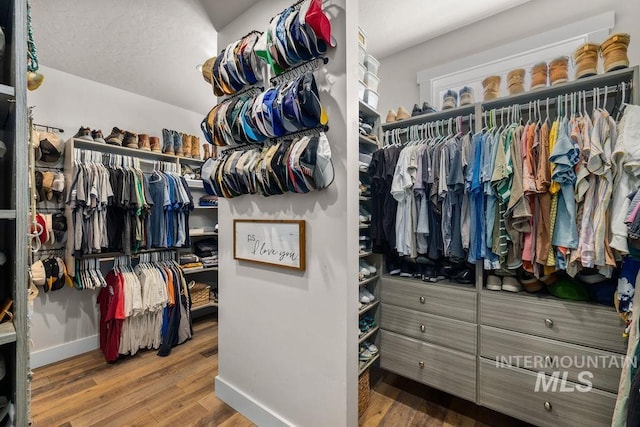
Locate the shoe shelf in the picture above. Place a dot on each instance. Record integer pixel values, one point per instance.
(367, 111)
(186, 271)
(8, 214)
(368, 307)
(369, 363)
(365, 198)
(365, 254)
(368, 334)
(369, 280)
(364, 226)
(133, 152)
(7, 333)
(205, 207)
(444, 282)
(203, 234)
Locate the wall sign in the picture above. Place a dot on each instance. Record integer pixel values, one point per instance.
(273, 242)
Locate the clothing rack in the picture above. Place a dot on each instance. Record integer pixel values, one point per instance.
(111, 256)
(86, 155)
(291, 73)
(431, 128)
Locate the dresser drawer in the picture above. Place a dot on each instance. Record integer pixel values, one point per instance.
(427, 327)
(439, 367)
(542, 354)
(512, 392)
(578, 323)
(447, 300)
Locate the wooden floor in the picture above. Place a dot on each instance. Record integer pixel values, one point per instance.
(147, 390)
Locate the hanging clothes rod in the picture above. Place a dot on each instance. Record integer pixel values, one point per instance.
(439, 123)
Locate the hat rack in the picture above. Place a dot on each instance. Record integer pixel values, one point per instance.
(315, 131)
(250, 91)
(49, 128)
(306, 67)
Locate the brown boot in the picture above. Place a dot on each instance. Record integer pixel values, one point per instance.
(130, 139)
(143, 142)
(195, 147)
(207, 153)
(154, 143)
(186, 145)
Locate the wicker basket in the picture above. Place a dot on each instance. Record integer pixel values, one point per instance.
(364, 393)
(199, 294)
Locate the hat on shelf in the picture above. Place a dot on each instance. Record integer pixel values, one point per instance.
(466, 96)
(539, 74)
(449, 100)
(559, 70)
(515, 81)
(51, 147)
(586, 60)
(614, 51)
(491, 86)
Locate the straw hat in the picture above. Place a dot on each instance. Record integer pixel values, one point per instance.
(491, 86)
(614, 51)
(515, 81)
(559, 70)
(539, 73)
(586, 60)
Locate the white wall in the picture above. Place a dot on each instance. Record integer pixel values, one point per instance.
(398, 72)
(65, 323)
(288, 340)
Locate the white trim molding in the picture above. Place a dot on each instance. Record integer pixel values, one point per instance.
(60, 352)
(518, 54)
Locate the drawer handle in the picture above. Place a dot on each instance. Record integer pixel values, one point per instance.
(422, 328)
(421, 364)
(548, 407)
(421, 300)
(548, 323)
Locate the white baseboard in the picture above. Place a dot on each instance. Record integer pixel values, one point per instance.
(64, 351)
(247, 406)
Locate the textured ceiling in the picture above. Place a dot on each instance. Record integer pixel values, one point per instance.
(148, 47)
(415, 21)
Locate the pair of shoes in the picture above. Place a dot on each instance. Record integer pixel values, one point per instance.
(365, 296)
(366, 323)
(370, 346)
(401, 114)
(363, 190)
(426, 109)
(529, 281)
(367, 351)
(172, 142)
(365, 269)
(364, 247)
(129, 139)
(89, 135)
(432, 274)
(450, 98)
(507, 283)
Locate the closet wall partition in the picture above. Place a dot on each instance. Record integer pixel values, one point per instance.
(449, 335)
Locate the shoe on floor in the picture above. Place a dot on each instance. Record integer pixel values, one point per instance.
(494, 283)
(84, 134)
(511, 284)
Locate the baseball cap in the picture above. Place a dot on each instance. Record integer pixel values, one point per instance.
(319, 23)
(51, 147)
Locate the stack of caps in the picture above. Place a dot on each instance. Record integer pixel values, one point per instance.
(614, 52)
(491, 86)
(539, 76)
(559, 70)
(50, 273)
(515, 81)
(466, 96)
(294, 36)
(449, 100)
(280, 110)
(586, 60)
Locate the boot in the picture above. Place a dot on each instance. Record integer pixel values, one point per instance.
(115, 137)
(207, 153)
(167, 141)
(131, 140)
(154, 143)
(186, 145)
(195, 147)
(177, 143)
(143, 141)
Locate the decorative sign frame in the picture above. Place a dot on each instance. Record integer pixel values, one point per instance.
(280, 243)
